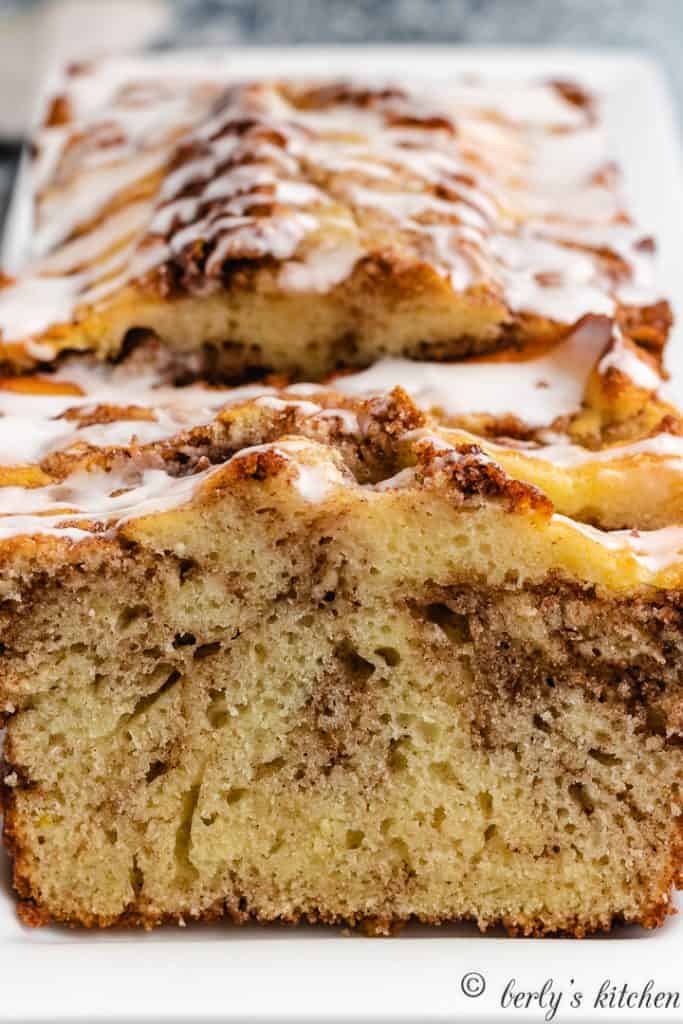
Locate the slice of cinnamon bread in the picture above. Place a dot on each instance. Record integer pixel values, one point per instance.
(303, 227)
(323, 657)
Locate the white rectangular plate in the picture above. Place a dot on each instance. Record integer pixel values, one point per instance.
(224, 973)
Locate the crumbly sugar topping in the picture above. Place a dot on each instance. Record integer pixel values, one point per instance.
(101, 501)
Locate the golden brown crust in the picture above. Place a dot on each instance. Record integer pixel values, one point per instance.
(375, 926)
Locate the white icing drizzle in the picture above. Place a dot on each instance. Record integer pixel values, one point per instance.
(110, 498)
(491, 183)
(64, 210)
(537, 391)
(404, 478)
(528, 103)
(280, 404)
(33, 425)
(346, 417)
(566, 455)
(321, 268)
(315, 483)
(654, 550)
(623, 357)
(76, 254)
(527, 262)
(29, 307)
(114, 498)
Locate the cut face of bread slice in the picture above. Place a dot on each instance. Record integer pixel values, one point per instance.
(305, 227)
(351, 671)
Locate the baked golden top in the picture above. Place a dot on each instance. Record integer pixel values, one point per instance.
(154, 187)
(108, 454)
